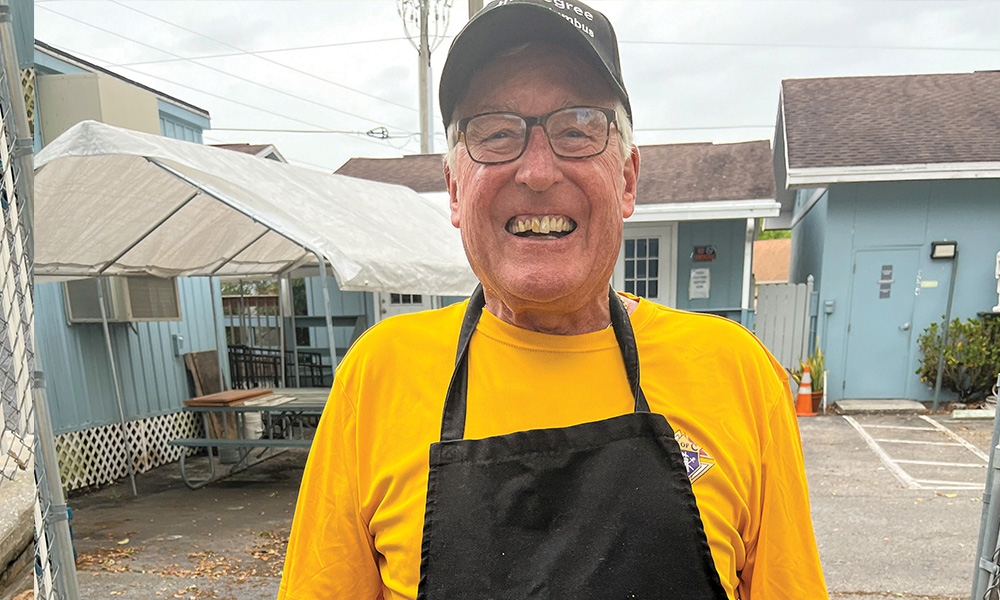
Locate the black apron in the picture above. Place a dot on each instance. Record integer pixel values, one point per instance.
(601, 510)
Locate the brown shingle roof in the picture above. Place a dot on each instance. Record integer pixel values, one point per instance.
(892, 120)
(419, 172)
(668, 173)
(704, 172)
(253, 149)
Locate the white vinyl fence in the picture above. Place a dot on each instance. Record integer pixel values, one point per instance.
(782, 321)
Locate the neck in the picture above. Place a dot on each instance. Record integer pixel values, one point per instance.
(591, 316)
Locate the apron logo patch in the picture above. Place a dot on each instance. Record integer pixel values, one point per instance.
(696, 460)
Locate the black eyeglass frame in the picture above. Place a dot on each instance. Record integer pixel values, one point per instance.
(529, 123)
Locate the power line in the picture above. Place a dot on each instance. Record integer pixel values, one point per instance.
(295, 161)
(210, 68)
(379, 133)
(706, 128)
(227, 99)
(259, 52)
(808, 46)
(274, 62)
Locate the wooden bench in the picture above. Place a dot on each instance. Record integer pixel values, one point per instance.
(244, 445)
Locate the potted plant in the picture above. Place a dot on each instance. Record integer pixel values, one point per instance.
(817, 364)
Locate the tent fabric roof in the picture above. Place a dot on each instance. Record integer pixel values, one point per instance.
(891, 120)
(106, 202)
(669, 173)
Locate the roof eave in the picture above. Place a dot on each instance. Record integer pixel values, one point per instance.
(822, 176)
(705, 211)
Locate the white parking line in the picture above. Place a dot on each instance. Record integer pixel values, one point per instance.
(903, 477)
(957, 438)
(907, 480)
(900, 427)
(935, 463)
(918, 442)
(947, 485)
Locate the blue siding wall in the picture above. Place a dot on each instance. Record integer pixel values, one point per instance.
(807, 240)
(179, 130)
(728, 237)
(153, 380)
(341, 304)
(908, 215)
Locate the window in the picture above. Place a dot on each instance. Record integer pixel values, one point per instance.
(642, 267)
(403, 299)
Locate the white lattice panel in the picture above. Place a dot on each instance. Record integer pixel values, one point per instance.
(98, 455)
(28, 85)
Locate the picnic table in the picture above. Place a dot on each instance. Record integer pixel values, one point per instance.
(283, 413)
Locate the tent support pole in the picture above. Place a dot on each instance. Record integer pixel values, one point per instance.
(240, 251)
(215, 328)
(281, 327)
(118, 391)
(148, 232)
(326, 307)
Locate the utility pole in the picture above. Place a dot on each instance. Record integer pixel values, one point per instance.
(429, 19)
(474, 7)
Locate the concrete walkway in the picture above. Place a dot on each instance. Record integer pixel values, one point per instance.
(878, 539)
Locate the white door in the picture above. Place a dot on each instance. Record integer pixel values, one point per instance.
(647, 262)
(396, 304)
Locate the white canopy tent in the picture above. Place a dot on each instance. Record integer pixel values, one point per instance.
(111, 201)
(114, 202)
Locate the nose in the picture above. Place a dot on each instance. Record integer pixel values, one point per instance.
(537, 167)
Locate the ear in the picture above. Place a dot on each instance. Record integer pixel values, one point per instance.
(452, 194)
(630, 171)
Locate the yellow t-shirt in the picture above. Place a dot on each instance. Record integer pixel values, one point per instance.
(359, 520)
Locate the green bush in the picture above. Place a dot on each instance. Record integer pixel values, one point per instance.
(971, 359)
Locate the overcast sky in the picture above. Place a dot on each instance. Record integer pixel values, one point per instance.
(696, 70)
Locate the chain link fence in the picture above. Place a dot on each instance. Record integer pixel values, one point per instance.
(27, 447)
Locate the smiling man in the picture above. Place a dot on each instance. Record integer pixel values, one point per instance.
(507, 447)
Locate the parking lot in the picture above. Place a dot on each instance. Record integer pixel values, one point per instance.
(898, 519)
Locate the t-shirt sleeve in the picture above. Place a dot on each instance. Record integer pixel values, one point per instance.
(784, 562)
(330, 552)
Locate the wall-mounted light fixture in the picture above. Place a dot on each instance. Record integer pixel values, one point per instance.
(944, 250)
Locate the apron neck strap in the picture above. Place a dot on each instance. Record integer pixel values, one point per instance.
(455, 404)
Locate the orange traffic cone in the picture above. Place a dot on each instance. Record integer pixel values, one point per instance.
(804, 403)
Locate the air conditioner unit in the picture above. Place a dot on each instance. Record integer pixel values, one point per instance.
(126, 299)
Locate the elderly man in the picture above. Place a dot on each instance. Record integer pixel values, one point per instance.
(506, 447)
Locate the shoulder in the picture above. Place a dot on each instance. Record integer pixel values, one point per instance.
(703, 338)
(425, 333)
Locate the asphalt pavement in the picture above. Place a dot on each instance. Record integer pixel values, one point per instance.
(887, 524)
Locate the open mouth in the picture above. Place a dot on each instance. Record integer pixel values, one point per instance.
(546, 226)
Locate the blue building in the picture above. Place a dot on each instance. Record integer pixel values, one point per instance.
(871, 171)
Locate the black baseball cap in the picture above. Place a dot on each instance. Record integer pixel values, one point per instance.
(505, 24)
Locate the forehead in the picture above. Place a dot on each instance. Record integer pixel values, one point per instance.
(535, 71)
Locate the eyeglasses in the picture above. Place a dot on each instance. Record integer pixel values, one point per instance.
(575, 132)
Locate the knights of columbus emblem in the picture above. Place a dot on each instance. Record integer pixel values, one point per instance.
(696, 460)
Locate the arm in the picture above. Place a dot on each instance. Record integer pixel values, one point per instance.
(331, 553)
(783, 563)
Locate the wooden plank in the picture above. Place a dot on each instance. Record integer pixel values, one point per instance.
(227, 398)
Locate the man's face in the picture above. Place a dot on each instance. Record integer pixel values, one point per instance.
(593, 195)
